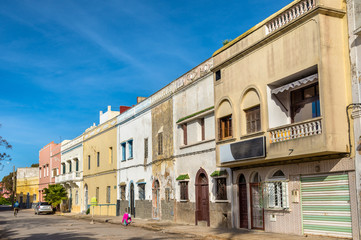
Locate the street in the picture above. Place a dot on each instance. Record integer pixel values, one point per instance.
(30, 226)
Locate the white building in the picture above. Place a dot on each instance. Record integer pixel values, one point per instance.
(134, 161)
(71, 173)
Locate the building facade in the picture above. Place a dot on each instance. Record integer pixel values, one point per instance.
(100, 164)
(27, 186)
(279, 127)
(71, 173)
(134, 161)
(49, 166)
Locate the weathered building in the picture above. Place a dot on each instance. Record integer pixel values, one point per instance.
(71, 173)
(281, 93)
(201, 188)
(27, 186)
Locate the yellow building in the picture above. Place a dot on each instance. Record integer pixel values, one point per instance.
(27, 186)
(100, 164)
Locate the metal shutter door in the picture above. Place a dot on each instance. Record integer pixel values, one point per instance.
(326, 205)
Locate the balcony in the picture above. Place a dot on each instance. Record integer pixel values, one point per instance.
(294, 131)
(68, 177)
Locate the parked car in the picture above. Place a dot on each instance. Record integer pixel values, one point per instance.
(43, 207)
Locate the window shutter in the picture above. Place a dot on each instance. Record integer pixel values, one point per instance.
(219, 129)
(230, 127)
(285, 203)
(185, 135)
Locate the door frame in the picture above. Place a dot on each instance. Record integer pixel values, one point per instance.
(198, 187)
(132, 199)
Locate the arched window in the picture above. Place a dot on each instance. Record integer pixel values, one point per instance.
(252, 112)
(276, 191)
(224, 116)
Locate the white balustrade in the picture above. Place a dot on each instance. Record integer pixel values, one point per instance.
(296, 131)
(289, 15)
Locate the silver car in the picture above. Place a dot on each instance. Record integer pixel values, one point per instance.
(43, 207)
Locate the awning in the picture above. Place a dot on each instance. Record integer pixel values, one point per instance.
(141, 181)
(219, 173)
(303, 81)
(122, 184)
(182, 177)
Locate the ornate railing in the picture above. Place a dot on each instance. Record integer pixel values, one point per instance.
(294, 131)
(289, 15)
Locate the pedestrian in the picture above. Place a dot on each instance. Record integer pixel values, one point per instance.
(127, 219)
(16, 208)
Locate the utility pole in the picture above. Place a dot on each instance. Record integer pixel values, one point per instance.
(14, 182)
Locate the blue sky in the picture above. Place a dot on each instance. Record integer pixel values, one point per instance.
(62, 62)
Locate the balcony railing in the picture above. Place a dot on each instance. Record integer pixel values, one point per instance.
(72, 176)
(309, 128)
(290, 14)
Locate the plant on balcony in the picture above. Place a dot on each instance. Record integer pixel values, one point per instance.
(55, 194)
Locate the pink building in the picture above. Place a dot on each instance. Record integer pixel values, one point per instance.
(3, 191)
(49, 166)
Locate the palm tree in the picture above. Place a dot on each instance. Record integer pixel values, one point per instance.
(55, 194)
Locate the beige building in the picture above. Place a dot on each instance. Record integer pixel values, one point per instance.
(281, 92)
(100, 164)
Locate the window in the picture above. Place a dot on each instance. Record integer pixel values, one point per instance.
(276, 191)
(34, 197)
(44, 173)
(225, 127)
(76, 197)
(110, 155)
(124, 154)
(122, 192)
(63, 166)
(167, 194)
(69, 166)
(305, 103)
(98, 159)
(184, 126)
(221, 189)
(145, 147)
(54, 172)
(183, 190)
(108, 194)
(130, 148)
(253, 119)
(39, 172)
(88, 161)
(160, 143)
(218, 75)
(77, 165)
(97, 194)
(141, 188)
(203, 132)
(47, 170)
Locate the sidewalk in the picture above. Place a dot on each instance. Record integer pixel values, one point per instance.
(199, 232)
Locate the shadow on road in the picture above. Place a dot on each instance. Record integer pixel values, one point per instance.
(55, 236)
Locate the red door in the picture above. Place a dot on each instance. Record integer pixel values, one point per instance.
(243, 212)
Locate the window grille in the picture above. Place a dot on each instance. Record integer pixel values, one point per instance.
(108, 194)
(145, 147)
(160, 143)
(276, 194)
(141, 191)
(122, 192)
(221, 191)
(183, 190)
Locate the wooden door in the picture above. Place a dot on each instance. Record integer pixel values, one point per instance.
(243, 211)
(155, 201)
(202, 197)
(132, 207)
(257, 211)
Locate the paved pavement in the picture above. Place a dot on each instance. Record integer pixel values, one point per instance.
(196, 232)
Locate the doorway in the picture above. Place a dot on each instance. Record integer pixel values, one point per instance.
(202, 197)
(155, 201)
(243, 211)
(257, 210)
(132, 205)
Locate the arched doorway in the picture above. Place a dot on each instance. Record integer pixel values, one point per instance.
(156, 199)
(202, 197)
(243, 211)
(86, 197)
(132, 200)
(257, 210)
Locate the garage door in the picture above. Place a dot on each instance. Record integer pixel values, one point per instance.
(326, 205)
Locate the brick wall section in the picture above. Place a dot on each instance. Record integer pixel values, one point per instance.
(167, 209)
(220, 215)
(185, 212)
(122, 206)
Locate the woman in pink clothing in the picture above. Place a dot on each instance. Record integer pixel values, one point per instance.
(127, 219)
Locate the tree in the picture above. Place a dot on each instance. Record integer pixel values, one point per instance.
(55, 194)
(3, 155)
(8, 183)
(35, 165)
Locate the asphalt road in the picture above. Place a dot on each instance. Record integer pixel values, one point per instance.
(27, 225)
